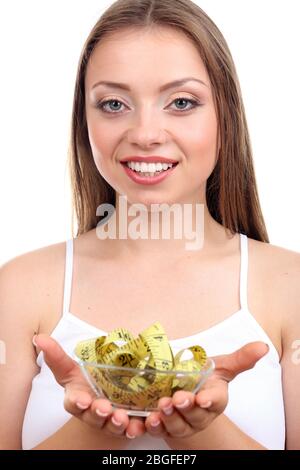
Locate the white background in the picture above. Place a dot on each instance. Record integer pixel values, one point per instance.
(40, 46)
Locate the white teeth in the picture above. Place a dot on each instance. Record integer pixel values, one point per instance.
(151, 168)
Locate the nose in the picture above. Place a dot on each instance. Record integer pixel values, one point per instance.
(147, 130)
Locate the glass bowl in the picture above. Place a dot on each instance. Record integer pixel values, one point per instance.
(138, 390)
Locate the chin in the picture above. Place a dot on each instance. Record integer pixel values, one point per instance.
(150, 202)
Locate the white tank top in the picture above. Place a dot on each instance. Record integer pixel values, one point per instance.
(255, 397)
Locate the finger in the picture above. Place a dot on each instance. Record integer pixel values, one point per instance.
(98, 413)
(101, 407)
(173, 421)
(205, 407)
(77, 401)
(59, 362)
(95, 415)
(228, 366)
(213, 399)
(136, 427)
(101, 412)
(117, 423)
(155, 426)
(194, 413)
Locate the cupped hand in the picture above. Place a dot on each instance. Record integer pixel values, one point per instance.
(178, 417)
(186, 413)
(80, 400)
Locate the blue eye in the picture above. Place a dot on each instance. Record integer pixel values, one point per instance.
(193, 103)
(112, 102)
(103, 105)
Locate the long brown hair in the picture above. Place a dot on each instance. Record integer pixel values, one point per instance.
(231, 190)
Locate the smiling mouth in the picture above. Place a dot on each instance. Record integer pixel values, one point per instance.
(166, 167)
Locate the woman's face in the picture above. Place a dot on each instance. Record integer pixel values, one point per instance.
(146, 121)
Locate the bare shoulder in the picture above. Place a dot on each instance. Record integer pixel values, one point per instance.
(275, 261)
(27, 291)
(277, 270)
(29, 281)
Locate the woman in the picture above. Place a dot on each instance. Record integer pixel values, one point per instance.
(198, 126)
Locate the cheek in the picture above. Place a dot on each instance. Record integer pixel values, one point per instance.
(201, 138)
(101, 147)
(200, 147)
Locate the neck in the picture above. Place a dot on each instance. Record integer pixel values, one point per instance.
(162, 231)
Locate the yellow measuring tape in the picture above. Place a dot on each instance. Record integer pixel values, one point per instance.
(151, 352)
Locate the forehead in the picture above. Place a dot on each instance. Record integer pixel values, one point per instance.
(154, 55)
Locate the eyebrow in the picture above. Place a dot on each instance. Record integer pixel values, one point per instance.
(173, 84)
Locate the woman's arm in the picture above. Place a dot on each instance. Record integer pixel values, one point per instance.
(290, 360)
(24, 298)
(19, 305)
(196, 421)
(77, 435)
(96, 425)
(221, 434)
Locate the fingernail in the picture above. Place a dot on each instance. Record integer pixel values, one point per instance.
(183, 404)
(82, 406)
(34, 341)
(154, 424)
(115, 422)
(129, 436)
(101, 413)
(207, 404)
(168, 411)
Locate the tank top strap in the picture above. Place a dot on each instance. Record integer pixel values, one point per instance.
(68, 275)
(244, 271)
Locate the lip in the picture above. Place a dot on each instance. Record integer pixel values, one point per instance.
(147, 180)
(149, 159)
